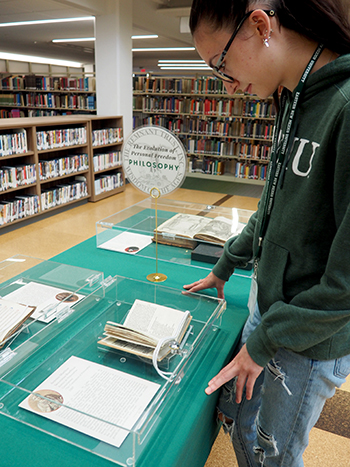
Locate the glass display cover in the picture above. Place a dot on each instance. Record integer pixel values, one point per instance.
(186, 233)
(53, 295)
(68, 387)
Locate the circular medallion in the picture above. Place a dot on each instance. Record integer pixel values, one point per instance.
(154, 158)
(45, 400)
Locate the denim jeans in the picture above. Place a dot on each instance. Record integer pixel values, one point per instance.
(272, 429)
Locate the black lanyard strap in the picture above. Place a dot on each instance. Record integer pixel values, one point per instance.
(278, 153)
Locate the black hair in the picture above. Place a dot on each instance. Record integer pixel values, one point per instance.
(324, 21)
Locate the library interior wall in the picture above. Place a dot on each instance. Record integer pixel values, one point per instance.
(14, 66)
(113, 61)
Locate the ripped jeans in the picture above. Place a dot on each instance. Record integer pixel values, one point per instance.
(272, 429)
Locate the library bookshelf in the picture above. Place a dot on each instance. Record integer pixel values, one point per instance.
(32, 95)
(46, 163)
(226, 137)
(107, 176)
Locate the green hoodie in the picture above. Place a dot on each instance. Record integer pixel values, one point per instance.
(304, 270)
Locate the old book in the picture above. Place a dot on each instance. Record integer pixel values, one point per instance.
(147, 325)
(12, 316)
(184, 229)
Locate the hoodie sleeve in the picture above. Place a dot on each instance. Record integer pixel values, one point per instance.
(238, 251)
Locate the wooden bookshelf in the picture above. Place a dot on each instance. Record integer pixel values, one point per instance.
(107, 176)
(226, 137)
(55, 169)
(34, 95)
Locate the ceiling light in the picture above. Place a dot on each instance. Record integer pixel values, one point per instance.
(184, 68)
(163, 49)
(177, 65)
(47, 21)
(181, 61)
(145, 36)
(75, 39)
(33, 59)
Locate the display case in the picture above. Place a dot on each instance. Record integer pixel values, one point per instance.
(51, 291)
(133, 231)
(108, 402)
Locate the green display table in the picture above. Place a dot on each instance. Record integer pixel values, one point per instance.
(187, 426)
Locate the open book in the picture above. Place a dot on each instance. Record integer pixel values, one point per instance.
(184, 229)
(12, 316)
(145, 326)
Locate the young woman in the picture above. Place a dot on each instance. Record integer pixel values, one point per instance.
(295, 346)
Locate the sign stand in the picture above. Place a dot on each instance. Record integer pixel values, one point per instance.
(156, 276)
(154, 161)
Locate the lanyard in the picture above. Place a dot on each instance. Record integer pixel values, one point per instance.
(278, 154)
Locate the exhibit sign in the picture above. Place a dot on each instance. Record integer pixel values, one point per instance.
(154, 157)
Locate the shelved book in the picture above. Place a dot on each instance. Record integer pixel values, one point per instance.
(45, 83)
(209, 106)
(206, 165)
(107, 136)
(147, 325)
(59, 138)
(106, 161)
(63, 166)
(185, 230)
(104, 183)
(13, 143)
(227, 148)
(18, 208)
(223, 128)
(64, 193)
(13, 177)
(203, 85)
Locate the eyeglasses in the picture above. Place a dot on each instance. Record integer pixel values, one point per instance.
(216, 68)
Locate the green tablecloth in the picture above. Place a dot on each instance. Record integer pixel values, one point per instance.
(188, 425)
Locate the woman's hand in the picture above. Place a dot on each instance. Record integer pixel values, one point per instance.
(210, 282)
(246, 370)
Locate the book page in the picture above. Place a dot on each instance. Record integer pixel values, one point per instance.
(185, 225)
(11, 316)
(119, 331)
(48, 300)
(220, 228)
(136, 349)
(92, 389)
(156, 321)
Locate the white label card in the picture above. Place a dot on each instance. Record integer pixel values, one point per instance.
(91, 398)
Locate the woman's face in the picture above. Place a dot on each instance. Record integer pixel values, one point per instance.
(248, 60)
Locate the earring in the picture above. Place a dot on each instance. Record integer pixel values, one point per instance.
(266, 40)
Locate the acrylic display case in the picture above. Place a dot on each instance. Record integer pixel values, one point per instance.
(76, 390)
(54, 290)
(132, 231)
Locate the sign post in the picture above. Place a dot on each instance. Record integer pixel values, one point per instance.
(154, 161)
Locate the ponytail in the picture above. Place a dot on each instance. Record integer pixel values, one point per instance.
(324, 21)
